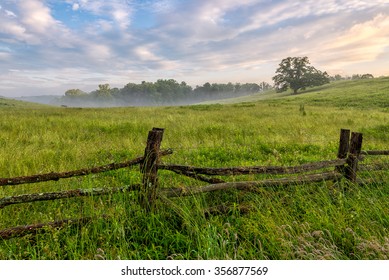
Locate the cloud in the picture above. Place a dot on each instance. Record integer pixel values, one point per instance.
(98, 52)
(4, 56)
(144, 53)
(120, 41)
(10, 14)
(54, 81)
(118, 11)
(12, 31)
(36, 16)
(7, 13)
(34, 24)
(364, 41)
(75, 6)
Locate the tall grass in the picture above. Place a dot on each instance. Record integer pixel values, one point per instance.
(312, 221)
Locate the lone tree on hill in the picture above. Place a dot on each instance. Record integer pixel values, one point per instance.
(296, 73)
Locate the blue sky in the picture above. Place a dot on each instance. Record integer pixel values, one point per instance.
(47, 46)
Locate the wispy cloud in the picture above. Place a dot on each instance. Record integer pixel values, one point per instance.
(118, 11)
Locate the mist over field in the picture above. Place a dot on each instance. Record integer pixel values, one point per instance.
(109, 103)
(161, 93)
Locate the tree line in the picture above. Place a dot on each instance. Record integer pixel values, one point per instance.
(161, 92)
(338, 77)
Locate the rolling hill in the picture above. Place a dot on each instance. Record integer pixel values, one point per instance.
(12, 103)
(363, 94)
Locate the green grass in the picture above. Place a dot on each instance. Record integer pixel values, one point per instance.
(362, 94)
(318, 221)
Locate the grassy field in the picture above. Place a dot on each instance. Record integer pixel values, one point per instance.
(316, 221)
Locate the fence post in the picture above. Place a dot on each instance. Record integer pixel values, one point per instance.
(344, 143)
(149, 169)
(352, 159)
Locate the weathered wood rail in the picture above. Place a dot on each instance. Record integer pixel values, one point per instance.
(346, 165)
(228, 171)
(55, 176)
(375, 153)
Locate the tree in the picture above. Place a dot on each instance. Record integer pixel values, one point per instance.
(367, 76)
(104, 91)
(296, 73)
(263, 86)
(74, 92)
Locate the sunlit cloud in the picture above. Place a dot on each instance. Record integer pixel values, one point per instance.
(145, 53)
(362, 42)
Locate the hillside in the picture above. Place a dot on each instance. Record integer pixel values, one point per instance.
(12, 103)
(363, 94)
(41, 99)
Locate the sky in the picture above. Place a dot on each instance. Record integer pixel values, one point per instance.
(48, 47)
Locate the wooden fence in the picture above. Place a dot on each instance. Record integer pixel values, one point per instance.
(346, 165)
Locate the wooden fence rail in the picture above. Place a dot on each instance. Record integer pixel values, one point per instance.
(253, 186)
(24, 198)
(345, 166)
(228, 171)
(375, 153)
(55, 176)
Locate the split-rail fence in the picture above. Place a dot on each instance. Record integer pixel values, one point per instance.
(346, 165)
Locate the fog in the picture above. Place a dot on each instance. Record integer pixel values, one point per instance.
(160, 93)
(42, 99)
(62, 101)
(96, 103)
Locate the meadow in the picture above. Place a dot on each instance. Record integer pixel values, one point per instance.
(311, 221)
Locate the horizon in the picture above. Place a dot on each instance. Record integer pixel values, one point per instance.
(48, 47)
